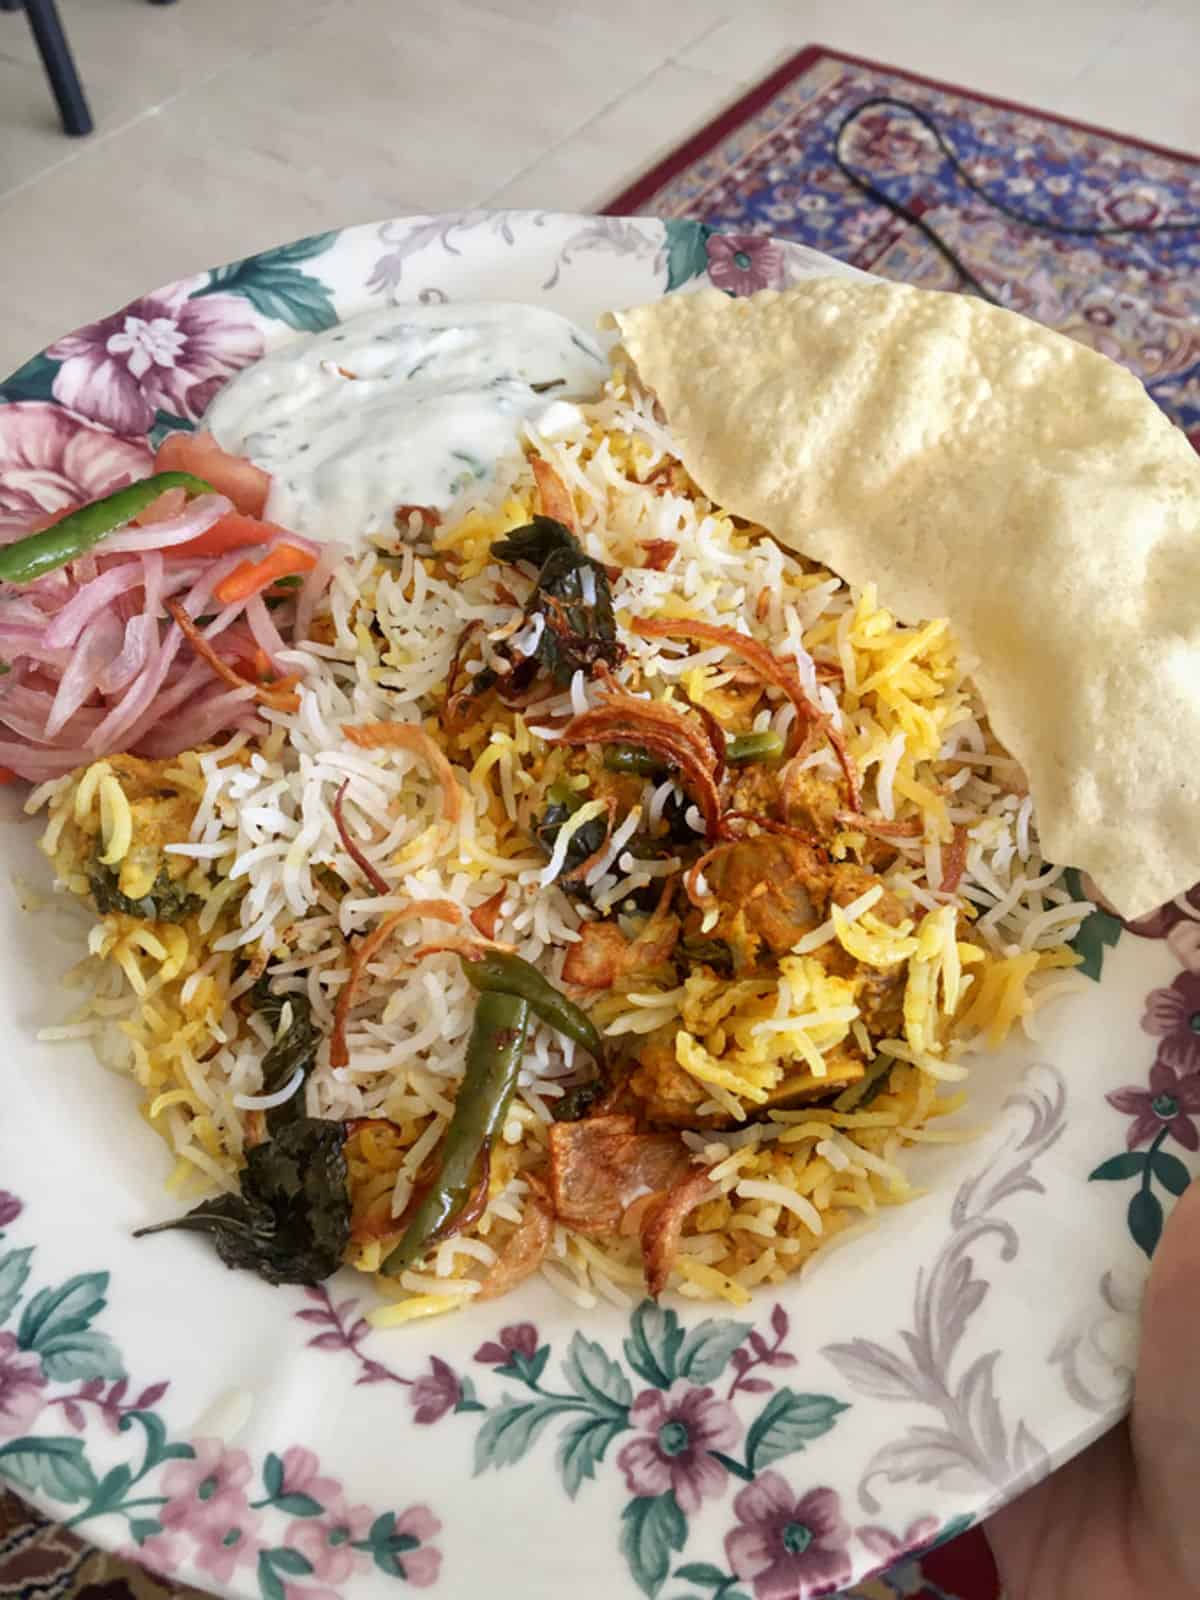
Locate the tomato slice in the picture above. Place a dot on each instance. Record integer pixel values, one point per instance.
(240, 480)
(233, 531)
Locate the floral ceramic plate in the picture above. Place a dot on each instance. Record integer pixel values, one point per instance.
(265, 1443)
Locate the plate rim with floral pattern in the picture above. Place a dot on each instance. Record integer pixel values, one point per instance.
(266, 1444)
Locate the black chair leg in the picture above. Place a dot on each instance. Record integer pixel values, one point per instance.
(60, 66)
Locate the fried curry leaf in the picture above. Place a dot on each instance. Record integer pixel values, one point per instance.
(167, 901)
(576, 1102)
(699, 952)
(291, 1221)
(296, 1047)
(572, 597)
(584, 842)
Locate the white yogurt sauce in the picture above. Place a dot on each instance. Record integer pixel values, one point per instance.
(401, 407)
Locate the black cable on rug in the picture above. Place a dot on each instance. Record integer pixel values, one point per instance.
(899, 209)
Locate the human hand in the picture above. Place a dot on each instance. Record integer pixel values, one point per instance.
(1120, 1521)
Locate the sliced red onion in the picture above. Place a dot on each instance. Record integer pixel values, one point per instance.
(29, 761)
(121, 717)
(199, 721)
(94, 597)
(174, 693)
(97, 645)
(152, 567)
(266, 634)
(198, 518)
(141, 638)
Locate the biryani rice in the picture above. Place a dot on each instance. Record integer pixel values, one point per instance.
(259, 846)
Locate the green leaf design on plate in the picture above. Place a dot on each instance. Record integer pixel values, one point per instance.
(143, 1528)
(1128, 1164)
(708, 1347)
(582, 1445)
(687, 250)
(1145, 1220)
(55, 1466)
(298, 1505)
(110, 1490)
(652, 1348)
(701, 1572)
(787, 1423)
(68, 1309)
(512, 1428)
(275, 286)
(290, 1561)
(592, 1373)
(387, 1546)
(1097, 933)
(1170, 1171)
(33, 381)
(270, 1584)
(66, 1356)
(14, 1270)
(651, 1527)
(272, 1474)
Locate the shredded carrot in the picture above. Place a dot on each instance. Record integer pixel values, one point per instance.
(438, 910)
(7, 775)
(407, 736)
(284, 561)
(279, 697)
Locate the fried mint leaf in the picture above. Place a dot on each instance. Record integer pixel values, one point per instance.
(167, 901)
(291, 1221)
(295, 1047)
(573, 598)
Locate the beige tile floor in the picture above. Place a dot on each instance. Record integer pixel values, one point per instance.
(224, 126)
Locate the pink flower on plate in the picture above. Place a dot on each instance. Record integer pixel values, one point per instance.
(1183, 941)
(162, 1553)
(1169, 1102)
(21, 1388)
(787, 1547)
(436, 1393)
(206, 1492)
(51, 461)
(423, 1561)
(741, 263)
(221, 1547)
(301, 1475)
(326, 1541)
(519, 1338)
(1172, 1015)
(678, 1430)
(10, 1208)
(168, 350)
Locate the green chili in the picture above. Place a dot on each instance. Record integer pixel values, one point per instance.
(71, 536)
(766, 746)
(628, 758)
(500, 973)
(494, 1054)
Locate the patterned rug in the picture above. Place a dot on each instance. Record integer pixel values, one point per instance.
(765, 166)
